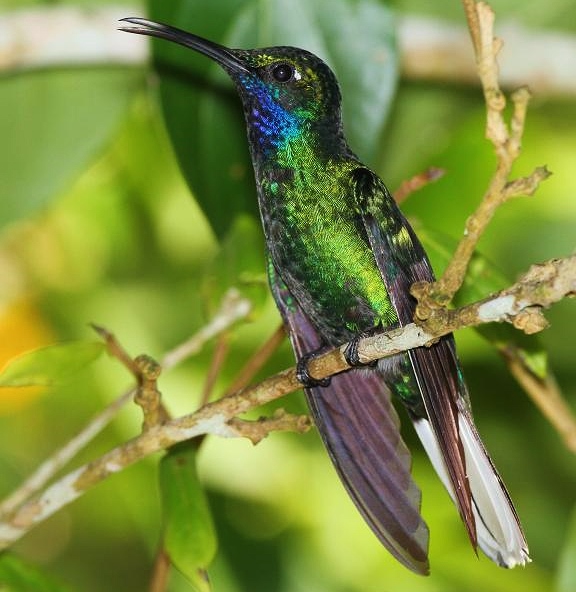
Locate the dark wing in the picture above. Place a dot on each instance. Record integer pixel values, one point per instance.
(402, 261)
(360, 430)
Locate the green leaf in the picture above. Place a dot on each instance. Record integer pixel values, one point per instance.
(566, 574)
(189, 535)
(205, 120)
(54, 122)
(50, 366)
(239, 263)
(18, 576)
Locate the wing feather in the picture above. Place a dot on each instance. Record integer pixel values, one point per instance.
(360, 430)
(402, 261)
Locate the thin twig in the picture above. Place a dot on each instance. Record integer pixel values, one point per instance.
(547, 397)
(160, 573)
(146, 371)
(416, 182)
(233, 309)
(147, 395)
(281, 421)
(218, 359)
(46, 471)
(116, 350)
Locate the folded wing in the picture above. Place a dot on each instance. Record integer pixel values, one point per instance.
(360, 430)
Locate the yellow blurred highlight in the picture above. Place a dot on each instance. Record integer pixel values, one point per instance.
(22, 328)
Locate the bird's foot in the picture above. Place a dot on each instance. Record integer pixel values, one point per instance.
(351, 350)
(303, 374)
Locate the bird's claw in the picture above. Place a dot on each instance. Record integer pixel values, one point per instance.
(351, 351)
(303, 374)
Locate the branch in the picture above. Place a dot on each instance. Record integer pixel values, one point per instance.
(56, 37)
(232, 309)
(415, 183)
(281, 421)
(432, 49)
(506, 140)
(546, 395)
(539, 288)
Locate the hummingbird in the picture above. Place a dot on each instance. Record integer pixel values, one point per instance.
(341, 259)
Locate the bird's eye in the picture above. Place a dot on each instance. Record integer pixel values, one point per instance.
(283, 72)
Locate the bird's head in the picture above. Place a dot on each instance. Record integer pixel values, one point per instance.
(284, 90)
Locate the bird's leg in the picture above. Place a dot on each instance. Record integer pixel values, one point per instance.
(303, 374)
(351, 350)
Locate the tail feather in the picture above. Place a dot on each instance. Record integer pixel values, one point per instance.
(499, 532)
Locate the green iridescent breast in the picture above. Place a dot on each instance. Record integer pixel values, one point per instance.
(317, 242)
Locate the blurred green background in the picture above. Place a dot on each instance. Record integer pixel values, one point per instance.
(98, 225)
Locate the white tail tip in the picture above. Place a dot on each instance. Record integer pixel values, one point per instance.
(498, 529)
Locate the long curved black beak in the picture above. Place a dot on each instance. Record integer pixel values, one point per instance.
(220, 54)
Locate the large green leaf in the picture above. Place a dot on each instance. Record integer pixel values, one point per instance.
(53, 123)
(204, 122)
(566, 574)
(204, 119)
(239, 263)
(51, 365)
(189, 535)
(18, 576)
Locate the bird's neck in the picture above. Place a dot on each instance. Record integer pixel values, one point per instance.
(278, 134)
(296, 144)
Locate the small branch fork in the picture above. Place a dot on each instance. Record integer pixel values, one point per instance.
(146, 371)
(232, 309)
